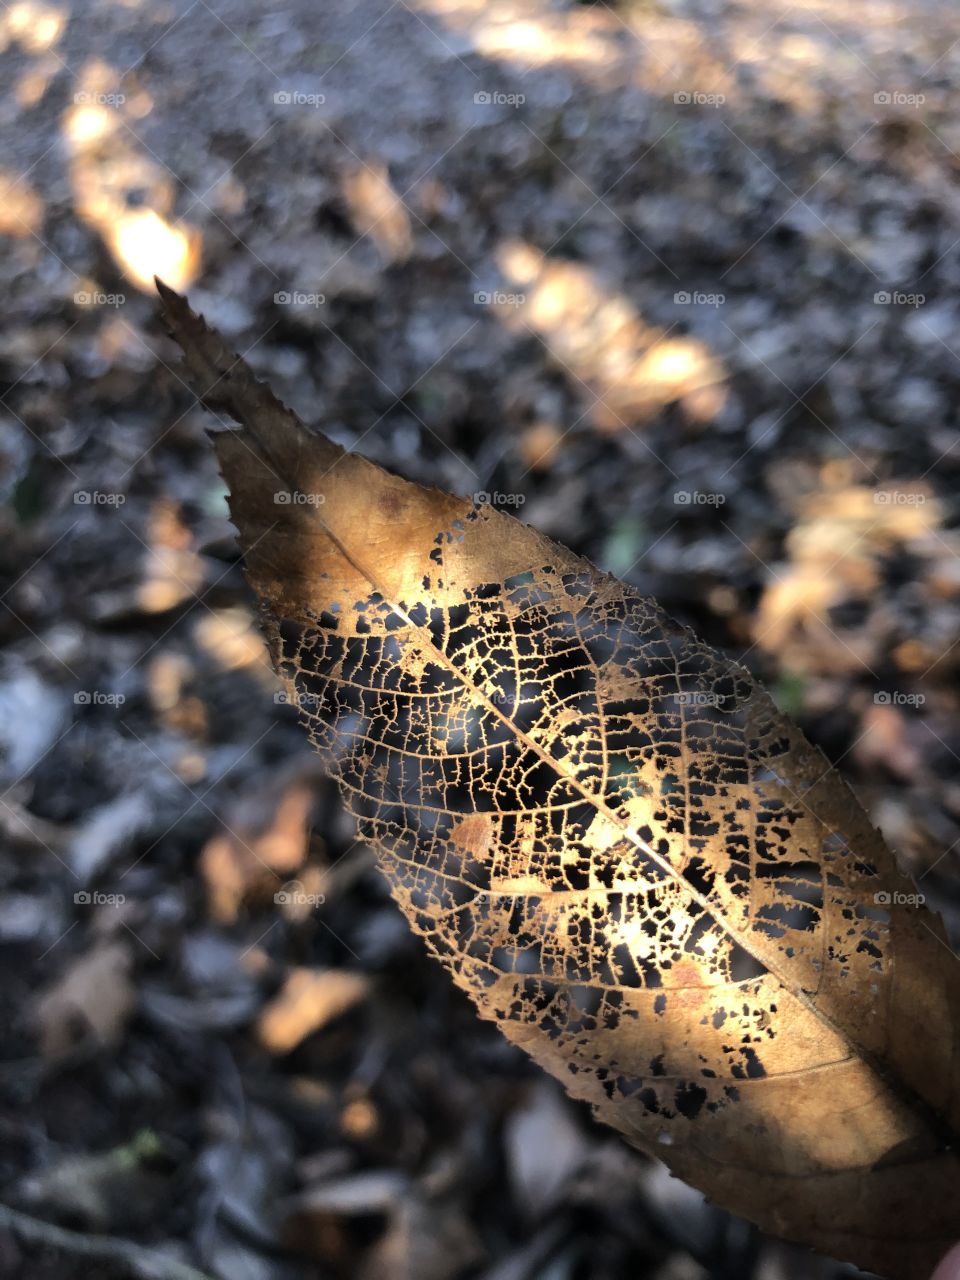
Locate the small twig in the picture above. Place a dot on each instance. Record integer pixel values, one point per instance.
(143, 1262)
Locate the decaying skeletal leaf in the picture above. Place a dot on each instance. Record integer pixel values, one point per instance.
(634, 864)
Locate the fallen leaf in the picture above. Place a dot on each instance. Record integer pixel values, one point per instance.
(307, 1001)
(264, 842)
(376, 210)
(618, 846)
(94, 996)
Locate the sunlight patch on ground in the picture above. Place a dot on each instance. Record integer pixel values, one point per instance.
(21, 209)
(598, 337)
(34, 27)
(825, 610)
(126, 196)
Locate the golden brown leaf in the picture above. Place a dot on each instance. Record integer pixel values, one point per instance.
(308, 1000)
(634, 864)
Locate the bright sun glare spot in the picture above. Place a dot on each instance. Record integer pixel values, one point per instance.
(538, 41)
(672, 361)
(89, 124)
(146, 245)
(34, 26)
(120, 191)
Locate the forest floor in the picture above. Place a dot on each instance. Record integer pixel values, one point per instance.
(676, 282)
